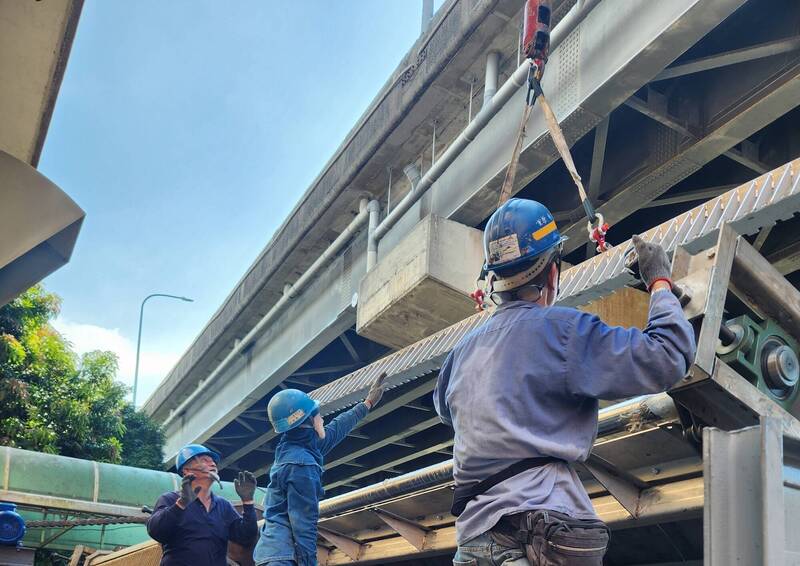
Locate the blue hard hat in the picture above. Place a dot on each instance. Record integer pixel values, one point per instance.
(190, 451)
(289, 408)
(517, 232)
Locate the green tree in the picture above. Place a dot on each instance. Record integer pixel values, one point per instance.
(53, 401)
(142, 441)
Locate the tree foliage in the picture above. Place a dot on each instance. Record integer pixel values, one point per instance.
(52, 400)
(142, 441)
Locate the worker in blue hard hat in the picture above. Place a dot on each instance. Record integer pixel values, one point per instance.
(291, 506)
(193, 525)
(522, 390)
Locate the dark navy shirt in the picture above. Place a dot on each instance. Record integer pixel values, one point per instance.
(196, 537)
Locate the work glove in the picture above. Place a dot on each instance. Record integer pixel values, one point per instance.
(245, 485)
(188, 494)
(651, 262)
(375, 392)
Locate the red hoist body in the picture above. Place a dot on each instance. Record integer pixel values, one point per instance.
(536, 32)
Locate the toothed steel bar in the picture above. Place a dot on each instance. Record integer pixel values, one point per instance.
(755, 205)
(758, 204)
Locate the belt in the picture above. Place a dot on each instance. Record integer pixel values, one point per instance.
(464, 494)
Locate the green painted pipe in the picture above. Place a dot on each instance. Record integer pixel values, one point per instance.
(51, 487)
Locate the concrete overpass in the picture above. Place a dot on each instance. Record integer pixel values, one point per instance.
(38, 222)
(660, 119)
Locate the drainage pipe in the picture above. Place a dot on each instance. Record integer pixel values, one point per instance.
(374, 209)
(290, 292)
(630, 413)
(575, 16)
(490, 81)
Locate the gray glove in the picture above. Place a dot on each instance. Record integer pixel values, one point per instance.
(245, 485)
(375, 392)
(188, 495)
(652, 260)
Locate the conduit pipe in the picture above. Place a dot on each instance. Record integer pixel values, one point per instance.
(518, 79)
(635, 411)
(374, 209)
(290, 292)
(490, 81)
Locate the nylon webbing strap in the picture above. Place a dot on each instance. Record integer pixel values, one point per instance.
(563, 150)
(511, 172)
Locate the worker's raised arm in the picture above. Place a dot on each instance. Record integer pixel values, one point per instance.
(344, 423)
(609, 363)
(163, 524)
(340, 427)
(613, 362)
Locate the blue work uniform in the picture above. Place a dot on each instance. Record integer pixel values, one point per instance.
(526, 384)
(196, 537)
(291, 506)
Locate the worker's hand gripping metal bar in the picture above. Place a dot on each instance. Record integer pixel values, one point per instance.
(632, 264)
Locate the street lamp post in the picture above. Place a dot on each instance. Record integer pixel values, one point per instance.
(139, 339)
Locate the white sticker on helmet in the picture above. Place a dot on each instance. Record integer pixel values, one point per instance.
(504, 249)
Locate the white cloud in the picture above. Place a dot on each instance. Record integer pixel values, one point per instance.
(153, 365)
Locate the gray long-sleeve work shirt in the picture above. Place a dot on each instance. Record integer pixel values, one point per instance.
(527, 384)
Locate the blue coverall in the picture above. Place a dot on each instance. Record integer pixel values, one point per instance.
(291, 506)
(196, 536)
(526, 384)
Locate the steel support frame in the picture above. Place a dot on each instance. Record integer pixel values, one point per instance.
(712, 390)
(741, 118)
(673, 123)
(752, 497)
(735, 57)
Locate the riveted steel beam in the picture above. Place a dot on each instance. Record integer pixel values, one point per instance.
(734, 119)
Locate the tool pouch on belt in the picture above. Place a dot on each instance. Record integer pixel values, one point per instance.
(553, 539)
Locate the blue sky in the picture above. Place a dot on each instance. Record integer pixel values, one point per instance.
(187, 130)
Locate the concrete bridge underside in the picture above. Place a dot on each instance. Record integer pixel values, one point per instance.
(649, 143)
